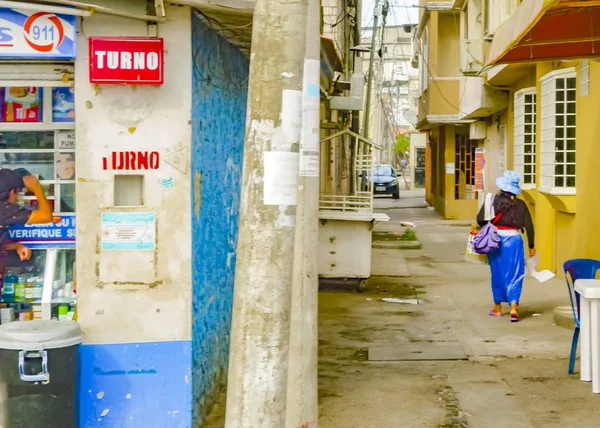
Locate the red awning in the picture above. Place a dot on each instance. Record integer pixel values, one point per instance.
(541, 30)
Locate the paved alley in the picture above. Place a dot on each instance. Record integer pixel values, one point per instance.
(445, 362)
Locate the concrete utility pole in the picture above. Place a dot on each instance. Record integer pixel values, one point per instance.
(370, 77)
(260, 332)
(302, 400)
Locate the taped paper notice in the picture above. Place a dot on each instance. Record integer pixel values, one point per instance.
(291, 115)
(281, 178)
(309, 163)
(310, 132)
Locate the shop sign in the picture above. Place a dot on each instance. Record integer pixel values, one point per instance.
(52, 235)
(126, 60)
(479, 168)
(131, 161)
(28, 34)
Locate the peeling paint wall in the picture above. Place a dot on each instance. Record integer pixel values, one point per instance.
(127, 296)
(220, 77)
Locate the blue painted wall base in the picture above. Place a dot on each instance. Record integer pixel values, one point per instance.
(136, 385)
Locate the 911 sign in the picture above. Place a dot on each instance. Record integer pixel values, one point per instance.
(126, 60)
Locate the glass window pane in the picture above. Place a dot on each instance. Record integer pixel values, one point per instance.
(571, 83)
(67, 198)
(65, 166)
(27, 140)
(21, 104)
(528, 148)
(571, 120)
(559, 169)
(63, 104)
(527, 139)
(560, 83)
(528, 99)
(571, 132)
(571, 169)
(571, 157)
(560, 96)
(528, 129)
(560, 121)
(527, 159)
(559, 157)
(560, 145)
(560, 133)
(527, 169)
(570, 181)
(571, 108)
(571, 145)
(39, 164)
(560, 108)
(559, 181)
(528, 108)
(571, 95)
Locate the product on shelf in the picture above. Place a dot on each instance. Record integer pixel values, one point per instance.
(8, 288)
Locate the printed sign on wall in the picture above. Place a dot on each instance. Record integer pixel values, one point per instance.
(128, 231)
(131, 161)
(479, 168)
(28, 34)
(126, 60)
(52, 235)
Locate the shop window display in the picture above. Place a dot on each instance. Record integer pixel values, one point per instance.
(40, 141)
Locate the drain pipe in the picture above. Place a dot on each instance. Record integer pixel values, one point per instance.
(104, 10)
(43, 8)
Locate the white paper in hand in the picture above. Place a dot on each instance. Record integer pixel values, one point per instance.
(532, 264)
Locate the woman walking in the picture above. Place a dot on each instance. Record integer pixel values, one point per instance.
(507, 264)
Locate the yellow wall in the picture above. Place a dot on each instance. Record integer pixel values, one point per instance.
(587, 231)
(448, 41)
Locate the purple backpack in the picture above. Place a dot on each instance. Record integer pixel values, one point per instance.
(487, 240)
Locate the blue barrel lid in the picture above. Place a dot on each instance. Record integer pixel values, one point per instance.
(39, 334)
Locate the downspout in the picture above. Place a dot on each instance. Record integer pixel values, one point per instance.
(104, 10)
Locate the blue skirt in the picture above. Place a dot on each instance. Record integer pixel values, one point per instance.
(507, 265)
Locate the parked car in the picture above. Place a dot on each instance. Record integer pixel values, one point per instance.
(385, 181)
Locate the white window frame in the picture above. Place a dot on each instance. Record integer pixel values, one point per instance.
(41, 81)
(584, 77)
(520, 134)
(549, 127)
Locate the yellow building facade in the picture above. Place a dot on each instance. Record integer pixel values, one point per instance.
(546, 127)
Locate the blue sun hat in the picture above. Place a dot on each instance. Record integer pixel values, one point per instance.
(509, 182)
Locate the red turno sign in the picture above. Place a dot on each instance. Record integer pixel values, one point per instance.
(126, 61)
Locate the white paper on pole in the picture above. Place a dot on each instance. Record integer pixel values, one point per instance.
(311, 117)
(280, 183)
(291, 115)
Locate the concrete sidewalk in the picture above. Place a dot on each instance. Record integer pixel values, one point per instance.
(444, 363)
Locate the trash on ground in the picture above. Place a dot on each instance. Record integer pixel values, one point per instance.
(535, 315)
(406, 301)
(369, 299)
(408, 224)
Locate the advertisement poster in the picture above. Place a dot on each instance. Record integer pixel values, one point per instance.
(479, 169)
(32, 34)
(128, 231)
(21, 104)
(52, 235)
(63, 104)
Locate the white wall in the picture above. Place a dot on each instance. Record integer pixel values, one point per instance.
(126, 296)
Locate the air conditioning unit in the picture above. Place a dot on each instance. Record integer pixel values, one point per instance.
(472, 55)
